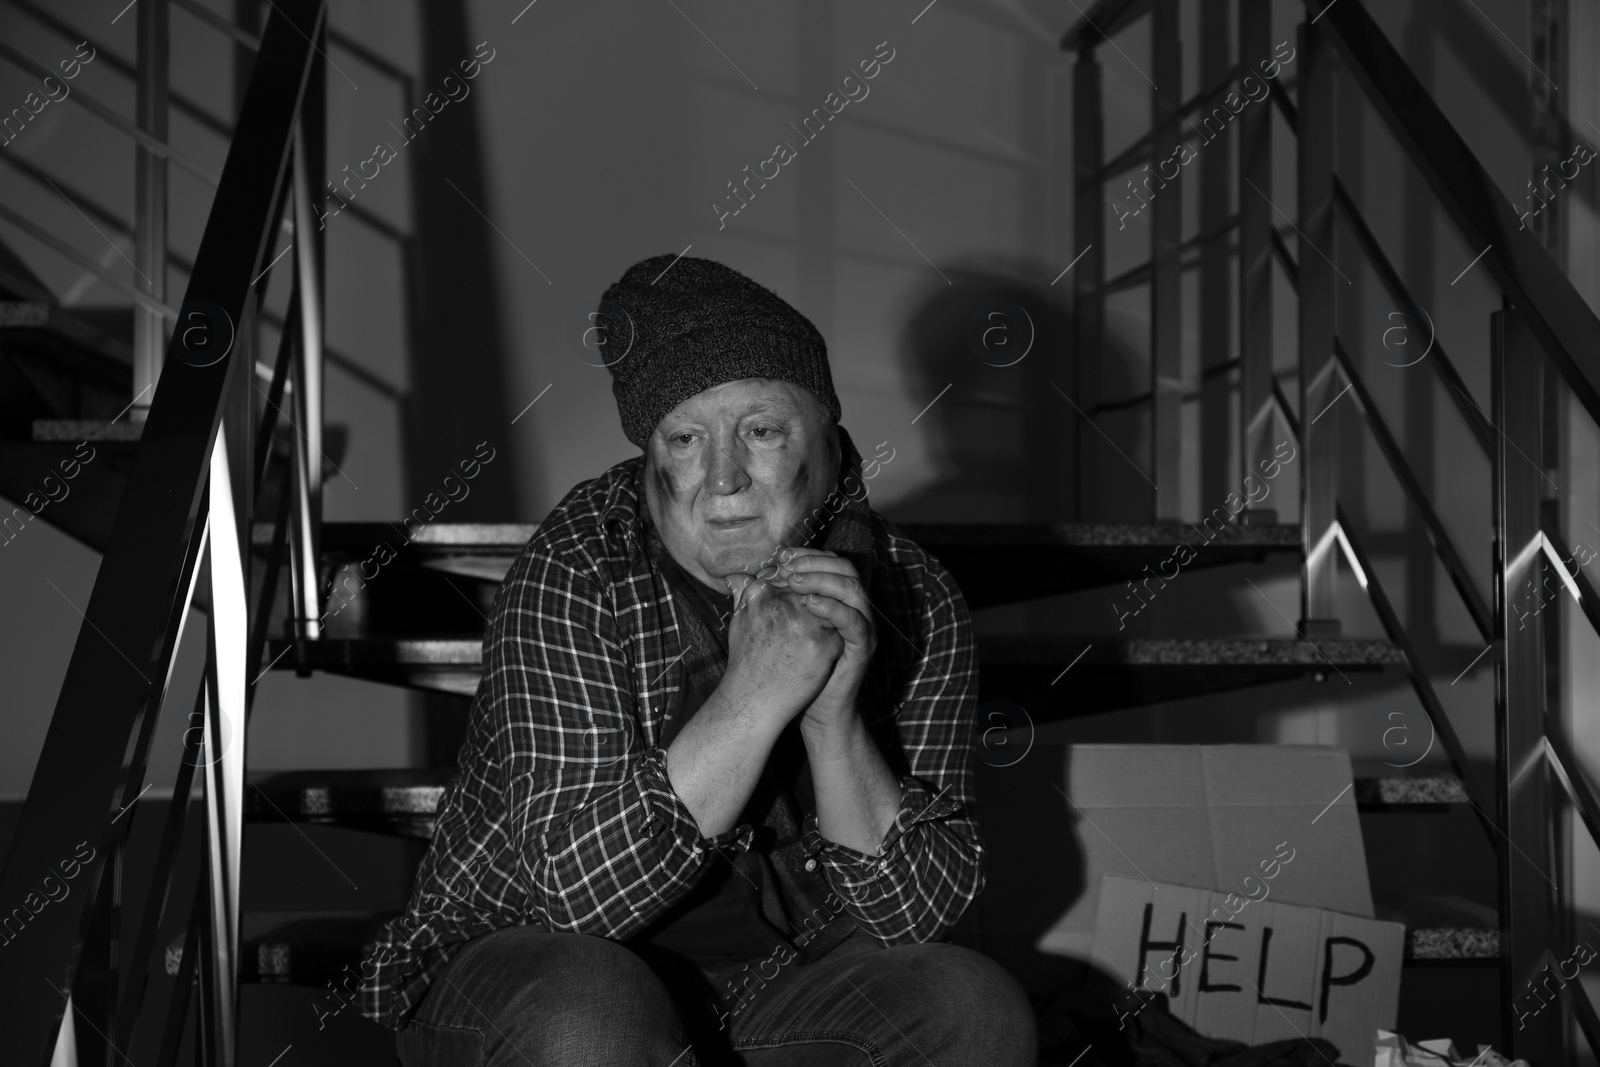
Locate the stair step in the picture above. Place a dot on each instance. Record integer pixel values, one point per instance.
(27, 320)
(444, 665)
(1113, 673)
(405, 800)
(1379, 793)
(1003, 563)
(1445, 928)
(994, 563)
(96, 430)
(1330, 653)
(306, 947)
(313, 950)
(400, 801)
(1048, 679)
(481, 550)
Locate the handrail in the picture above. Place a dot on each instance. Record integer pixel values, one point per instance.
(1454, 564)
(79, 783)
(1290, 113)
(245, 39)
(1557, 314)
(1476, 421)
(1140, 274)
(1584, 1012)
(1438, 719)
(1285, 408)
(1544, 315)
(1588, 603)
(116, 121)
(122, 66)
(1101, 21)
(51, 241)
(1291, 268)
(239, 35)
(1140, 148)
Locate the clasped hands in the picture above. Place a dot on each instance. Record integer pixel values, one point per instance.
(802, 635)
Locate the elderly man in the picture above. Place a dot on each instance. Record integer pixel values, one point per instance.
(708, 810)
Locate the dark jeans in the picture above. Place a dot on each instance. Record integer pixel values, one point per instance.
(537, 999)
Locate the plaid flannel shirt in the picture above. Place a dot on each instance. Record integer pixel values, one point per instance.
(561, 815)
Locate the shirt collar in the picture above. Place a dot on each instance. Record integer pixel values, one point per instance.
(624, 501)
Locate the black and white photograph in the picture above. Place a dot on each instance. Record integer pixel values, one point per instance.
(799, 533)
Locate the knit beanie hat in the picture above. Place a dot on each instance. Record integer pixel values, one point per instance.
(696, 326)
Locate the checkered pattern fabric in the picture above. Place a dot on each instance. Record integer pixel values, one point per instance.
(562, 816)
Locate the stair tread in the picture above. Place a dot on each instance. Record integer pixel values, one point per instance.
(417, 791)
(998, 651)
(994, 563)
(1282, 536)
(86, 430)
(1388, 791)
(64, 325)
(398, 791)
(317, 946)
(512, 536)
(343, 537)
(1190, 652)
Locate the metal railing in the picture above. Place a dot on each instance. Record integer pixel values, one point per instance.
(1544, 317)
(202, 471)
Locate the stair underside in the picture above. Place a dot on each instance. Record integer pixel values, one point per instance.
(1045, 676)
(994, 563)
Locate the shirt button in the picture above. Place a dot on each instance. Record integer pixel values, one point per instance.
(811, 864)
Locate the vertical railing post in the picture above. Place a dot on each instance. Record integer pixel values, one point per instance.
(1166, 268)
(1256, 408)
(1527, 889)
(1088, 277)
(310, 146)
(150, 204)
(307, 380)
(1319, 379)
(1216, 475)
(227, 679)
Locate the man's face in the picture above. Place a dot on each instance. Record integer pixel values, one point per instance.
(732, 472)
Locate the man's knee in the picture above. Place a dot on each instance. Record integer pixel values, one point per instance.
(563, 995)
(968, 1002)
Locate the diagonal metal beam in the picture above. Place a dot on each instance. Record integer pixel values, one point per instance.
(1454, 564)
(1475, 419)
(1455, 751)
(78, 783)
(116, 121)
(1556, 313)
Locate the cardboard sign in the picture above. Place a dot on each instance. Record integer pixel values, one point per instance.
(1208, 816)
(1265, 972)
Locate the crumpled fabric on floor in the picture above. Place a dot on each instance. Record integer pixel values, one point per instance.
(1162, 1040)
(1085, 1020)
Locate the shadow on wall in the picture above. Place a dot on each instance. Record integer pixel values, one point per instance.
(458, 353)
(998, 436)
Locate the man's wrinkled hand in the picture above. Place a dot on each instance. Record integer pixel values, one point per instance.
(829, 588)
(778, 645)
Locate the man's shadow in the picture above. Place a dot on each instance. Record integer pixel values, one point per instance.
(996, 350)
(1002, 442)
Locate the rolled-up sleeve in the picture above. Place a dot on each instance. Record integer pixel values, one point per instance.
(604, 843)
(929, 866)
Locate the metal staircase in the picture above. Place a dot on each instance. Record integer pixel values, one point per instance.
(212, 500)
